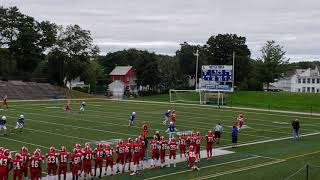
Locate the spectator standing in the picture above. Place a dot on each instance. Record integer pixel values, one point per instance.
(218, 130)
(295, 129)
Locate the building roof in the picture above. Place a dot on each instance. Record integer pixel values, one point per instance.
(120, 70)
(308, 72)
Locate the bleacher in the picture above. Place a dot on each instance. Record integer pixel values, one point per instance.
(30, 90)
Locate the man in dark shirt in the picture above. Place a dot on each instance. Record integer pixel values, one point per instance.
(234, 135)
(295, 129)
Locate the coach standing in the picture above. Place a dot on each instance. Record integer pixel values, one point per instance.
(295, 129)
(234, 135)
(218, 130)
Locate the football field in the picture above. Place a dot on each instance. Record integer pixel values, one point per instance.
(265, 150)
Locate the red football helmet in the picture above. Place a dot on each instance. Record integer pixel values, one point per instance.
(241, 115)
(18, 156)
(183, 134)
(1, 150)
(191, 148)
(140, 137)
(173, 140)
(24, 149)
(75, 150)
(108, 146)
(210, 132)
(63, 149)
(39, 150)
(155, 137)
(36, 153)
(161, 138)
(129, 140)
(120, 141)
(52, 149)
(86, 145)
(77, 146)
(198, 133)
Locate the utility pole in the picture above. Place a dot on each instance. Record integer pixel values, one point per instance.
(197, 64)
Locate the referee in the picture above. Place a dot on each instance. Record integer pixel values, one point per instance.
(218, 130)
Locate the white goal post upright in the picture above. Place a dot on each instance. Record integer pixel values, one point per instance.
(197, 96)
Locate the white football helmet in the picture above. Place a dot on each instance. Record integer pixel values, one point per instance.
(4, 117)
(21, 116)
(133, 113)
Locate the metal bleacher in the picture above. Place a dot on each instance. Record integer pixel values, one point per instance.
(30, 90)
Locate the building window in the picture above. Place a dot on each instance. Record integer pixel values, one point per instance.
(308, 89)
(303, 81)
(299, 80)
(318, 90)
(313, 89)
(299, 90)
(303, 89)
(318, 81)
(313, 81)
(308, 81)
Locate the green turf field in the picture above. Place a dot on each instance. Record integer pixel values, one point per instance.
(48, 124)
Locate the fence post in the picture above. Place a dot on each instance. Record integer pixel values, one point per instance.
(307, 172)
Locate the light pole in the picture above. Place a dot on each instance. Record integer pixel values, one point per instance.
(197, 64)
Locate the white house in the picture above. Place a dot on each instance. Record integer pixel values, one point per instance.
(117, 88)
(303, 80)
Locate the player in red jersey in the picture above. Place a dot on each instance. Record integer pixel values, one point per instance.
(240, 121)
(25, 159)
(128, 154)
(87, 156)
(109, 158)
(192, 158)
(173, 116)
(172, 149)
(63, 157)
(77, 148)
(192, 139)
(5, 163)
(52, 162)
(75, 164)
(144, 130)
(142, 151)
(198, 140)
(17, 167)
(163, 146)
(154, 146)
(136, 148)
(210, 139)
(67, 106)
(182, 144)
(5, 102)
(35, 165)
(120, 150)
(98, 159)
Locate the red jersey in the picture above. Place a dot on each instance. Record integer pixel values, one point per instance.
(63, 157)
(192, 155)
(98, 153)
(210, 139)
(51, 158)
(173, 145)
(182, 141)
(35, 162)
(136, 148)
(154, 145)
(109, 152)
(25, 158)
(4, 161)
(17, 165)
(120, 149)
(192, 140)
(198, 140)
(76, 159)
(163, 145)
(128, 149)
(142, 146)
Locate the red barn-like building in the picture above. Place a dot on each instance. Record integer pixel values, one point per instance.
(126, 74)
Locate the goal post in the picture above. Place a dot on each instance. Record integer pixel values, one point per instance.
(197, 96)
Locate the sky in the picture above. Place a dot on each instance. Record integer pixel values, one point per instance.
(160, 26)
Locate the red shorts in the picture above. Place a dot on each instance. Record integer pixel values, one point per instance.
(241, 123)
(98, 162)
(109, 162)
(25, 170)
(209, 147)
(52, 169)
(142, 153)
(87, 166)
(4, 173)
(120, 158)
(198, 149)
(75, 169)
(191, 162)
(35, 173)
(182, 149)
(63, 167)
(162, 155)
(17, 174)
(154, 154)
(172, 155)
(136, 158)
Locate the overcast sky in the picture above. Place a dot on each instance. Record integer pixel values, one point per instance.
(161, 25)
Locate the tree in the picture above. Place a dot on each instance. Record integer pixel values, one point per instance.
(93, 72)
(76, 46)
(274, 61)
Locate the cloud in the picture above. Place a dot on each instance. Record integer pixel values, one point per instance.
(161, 25)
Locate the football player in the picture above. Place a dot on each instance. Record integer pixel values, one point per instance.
(82, 106)
(20, 123)
(75, 164)
(63, 157)
(67, 106)
(3, 122)
(173, 116)
(136, 147)
(35, 165)
(128, 154)
(120, 150)
(51, 162)
(240, 121)
(166, 117)
(172, 150)
(154, 146)
(17, 167)
(98, 159)
(171, 129)
(163, 147)
(182, 144)
(210, 139)
(198, 140)
(144, 130)
(109, 158)
(25, 159)
(87, 157)
(5, 102)
(192, 158)
(131, 119)
(5, 163)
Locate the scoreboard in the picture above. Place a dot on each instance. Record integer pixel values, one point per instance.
(216, 78)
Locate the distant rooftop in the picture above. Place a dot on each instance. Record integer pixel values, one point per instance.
(308, 72)
(120, 70)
